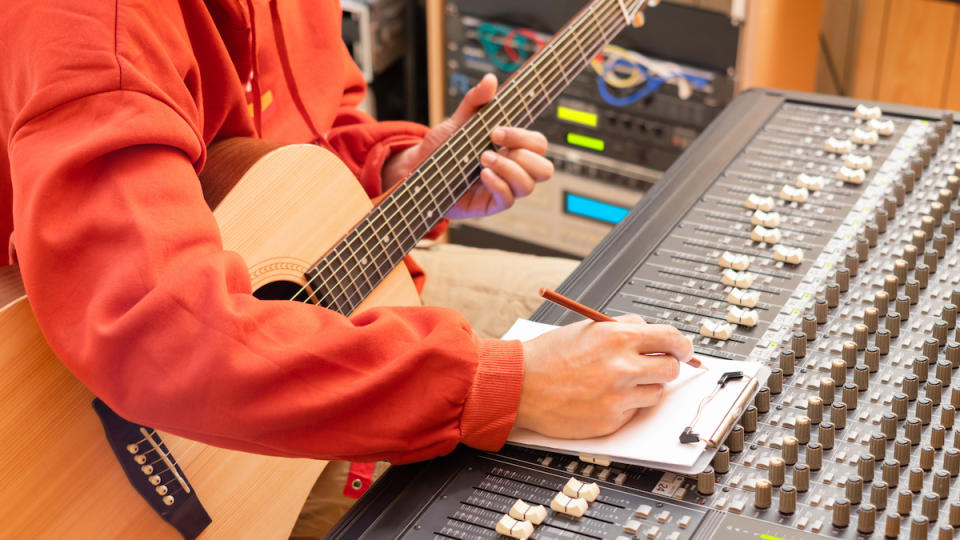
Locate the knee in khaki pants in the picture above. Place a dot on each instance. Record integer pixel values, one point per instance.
(326, 503)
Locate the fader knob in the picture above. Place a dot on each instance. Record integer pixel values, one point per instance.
(788, 500)
(854, 489)
(941, 484)
(801, 477)
(762, 495)
(918, 528)
(940, 329)
(926, 458)
(841, 513)
(878, 446)
(901, 451)
(706, 481)
(721, 460)
(814, 456)
(735, 439)
(815, 407)
(776, 472)
(881, 300)
(825, 438)
(878, 494)
(866, 519)
(888, 424)
(865, 467)
(787, 362)
(892, 323)
(904, 502)
(890, 472)
(809, 327)
(801, 428)
(790, 450)
(871, 319)
(861, 378)
(891, 528)
(838, 415)
(860, 332)
(871, 359)
(951, 461)
(930, 506)
(775, 381)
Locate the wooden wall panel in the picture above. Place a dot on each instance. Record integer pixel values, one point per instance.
(779, 44)
(870, 37)
(951, 97)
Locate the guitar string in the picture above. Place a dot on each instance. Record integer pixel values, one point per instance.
(466, 140)
(347, 295)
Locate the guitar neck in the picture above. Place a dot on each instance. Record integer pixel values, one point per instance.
(390, 231)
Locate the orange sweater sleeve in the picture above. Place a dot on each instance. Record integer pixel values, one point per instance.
(124, 268)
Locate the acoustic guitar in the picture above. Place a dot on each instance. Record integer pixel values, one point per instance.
(308, 232)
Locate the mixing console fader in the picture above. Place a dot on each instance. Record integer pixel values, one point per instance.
(816, 235)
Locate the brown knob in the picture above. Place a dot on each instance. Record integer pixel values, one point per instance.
(903, 308)
(931, 348)
(788, 500)
(951, 461)
(912, 290)
(918, 528)
(891, 283)
(921, 366)
(809, 326)
(801, 477)
(825, 438)
(790, 450)
(918, 239)
(890, 206)
(801, 428)
(749, 419)
(854, 489)
(944, 197)
(860, 332)
(775, 381)
(814, 456)
(930, 257)
(776, 471)
(891, 528)
(787, 362)
(911, 385)
(838, 372)
(850, 392)
(944, 371)
(941, 484)
(952, 354)
(871, 357)
(948, 230)
(865, 467)
(901, 451)
(735, 439)
(841, 513)
(926, 458)
(872, 234)
(922, 275)
(924, 410)
(851, 267)
(838, 415)
(900, 405)
(866, 519)
(861, 378)
(940, 242)
(949, 315)
(888, 425)
(910, 253)
(892, 325)
(826, 389)
(912, 429)
(899, 193)
(890, 472)
(880, 219)
(815, 408)
(881, 301)
(762, 401)
(762, 495)
(820, 311)
(955, 294)
(871, 318)
(882, 341)
(909, 180)
(721, 460)
(833, 295)
(904, 502)
(945, 532)
(940, 329)
(930, 506)
(934, 390)
(927, 224)
(878, 494)
(955, 513)
(900, 268)
(937, 436)
(878, 447)
(706, 481)
(799, 345)
(947, 414)
(863, 248)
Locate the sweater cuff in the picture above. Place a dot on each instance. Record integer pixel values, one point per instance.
(491, 407)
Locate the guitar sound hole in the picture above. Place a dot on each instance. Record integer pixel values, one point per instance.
(282, 290)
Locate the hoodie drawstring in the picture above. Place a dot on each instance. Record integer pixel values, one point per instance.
(255, 65)
(287, 70)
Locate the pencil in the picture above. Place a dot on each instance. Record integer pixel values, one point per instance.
(589, 313)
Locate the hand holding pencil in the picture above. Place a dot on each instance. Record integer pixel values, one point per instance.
(586, 380)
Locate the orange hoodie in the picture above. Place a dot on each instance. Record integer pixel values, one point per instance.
(106, 110)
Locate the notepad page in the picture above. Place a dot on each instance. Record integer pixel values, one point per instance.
(651, 437)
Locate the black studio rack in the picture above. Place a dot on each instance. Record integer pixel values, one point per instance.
(846, 215)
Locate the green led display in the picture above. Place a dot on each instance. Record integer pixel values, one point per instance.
(577, 117)
(592, 143)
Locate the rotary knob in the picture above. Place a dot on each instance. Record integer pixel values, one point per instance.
(872, 234)
(871, 357)
(735, 439)
(900, 405)
(861, 378)
(825, 438)
(827, 386)
(941, 483)
(841, 513)
(749, 419)
(706, 481)
(937, 436)
(863, 249)
(910, 255)
(911, 386)
(878, 494)
(721, 460)
(799, 345)
(940, 329)
(880, 219)
(951, 461)
(891, 528)
(854, 489)
(851, 267)
(814, 455)
(931, 348)
(900, 269)
(788, 500)
(809, 327)
(934, 390)
(832, 293)
(865, 467)
(787, 362)
(926, 457)
(866, 519)
(918, 528)
(882, 341)
(838, 374)
(762, 494)
(888, 424)
(912, 289)
(762, 402)
(921, 366)
(801, 429)
(922, 276)
(954, 514)
(915, 479)
(815, 407)
(878, 447)
(890, 472)
(930, 258)
(801, 477)
(849, 401)
(776, 471)
(903, 308)
(949, 315)
(775, 381)
(901, 451)
(820, 311)
(892, 325)
(930, 506)
(871, 319)
(945, 532)
(904, 502)
(860, 332)
(944, 371)
(947, 413)
(881, 300)
(790, 450)
(927, 225)
(952, 355)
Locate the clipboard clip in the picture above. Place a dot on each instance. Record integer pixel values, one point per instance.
(690, 436)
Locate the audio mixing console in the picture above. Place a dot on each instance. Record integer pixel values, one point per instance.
(813, 234)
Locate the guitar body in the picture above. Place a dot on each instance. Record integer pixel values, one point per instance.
(281, 209)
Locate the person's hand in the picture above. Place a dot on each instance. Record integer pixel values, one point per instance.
(506, 175)
(588, 379)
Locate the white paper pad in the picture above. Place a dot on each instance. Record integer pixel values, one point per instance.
(651, 438)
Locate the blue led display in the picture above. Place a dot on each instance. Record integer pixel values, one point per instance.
(601, 211)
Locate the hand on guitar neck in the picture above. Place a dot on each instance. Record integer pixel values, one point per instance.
(588, 378)
(507, 175)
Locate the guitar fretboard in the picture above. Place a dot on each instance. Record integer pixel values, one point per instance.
(364, 257)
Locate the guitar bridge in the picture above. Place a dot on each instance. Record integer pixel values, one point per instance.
(154, 472)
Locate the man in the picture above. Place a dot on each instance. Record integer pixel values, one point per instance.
(106, 112)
